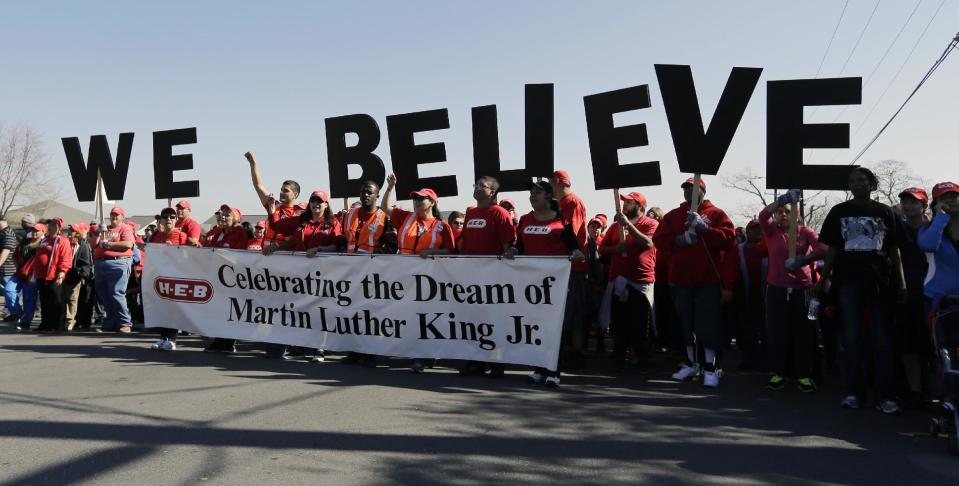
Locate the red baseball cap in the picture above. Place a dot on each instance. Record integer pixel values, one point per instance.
(261, 224)
(185, 205)
(634, 196)
(562, 177)
(508, 201)
(752, 224)
(943, 188)
(321, 195)
(917, 193)
(425, 192)
(58, 221)
(236, 212)
(119, 211)
(40, 227)
(691, 181)
(602, 219)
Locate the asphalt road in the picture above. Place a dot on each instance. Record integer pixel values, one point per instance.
(89, 408)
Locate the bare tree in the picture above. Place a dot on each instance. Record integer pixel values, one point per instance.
(754, 185)
(894, 176)
(24, 175)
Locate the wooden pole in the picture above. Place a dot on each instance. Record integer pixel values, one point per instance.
(346, 204)
(619, 209)
(100, 196)
(697, 198)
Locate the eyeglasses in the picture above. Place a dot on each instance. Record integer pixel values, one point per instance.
(457, 223)
(168, 216)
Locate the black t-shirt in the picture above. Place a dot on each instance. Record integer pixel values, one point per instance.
(914, 263)
(864, 235)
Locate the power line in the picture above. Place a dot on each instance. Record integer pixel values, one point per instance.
(883, 57)
(952, 45)
(861, 34)
(905, 61)
(834, 31)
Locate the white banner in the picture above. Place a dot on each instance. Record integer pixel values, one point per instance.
(474, 308)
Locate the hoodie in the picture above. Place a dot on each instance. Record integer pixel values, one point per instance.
(700, 264)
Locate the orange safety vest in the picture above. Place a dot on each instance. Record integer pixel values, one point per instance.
(413, 238)
(364, 236)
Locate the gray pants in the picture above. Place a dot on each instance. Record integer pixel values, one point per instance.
(698, 311)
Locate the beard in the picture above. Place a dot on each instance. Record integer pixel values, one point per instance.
(632, 213)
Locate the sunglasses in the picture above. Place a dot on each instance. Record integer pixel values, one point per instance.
(422, 198)
(167, 216)
(316, 200)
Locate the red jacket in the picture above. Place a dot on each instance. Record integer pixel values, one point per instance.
(700, 264)
(50, 260)
(235, 237)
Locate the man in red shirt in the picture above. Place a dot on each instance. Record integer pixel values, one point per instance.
(573, 211)
(488, 230)
(113, 260)
(285, 207)
(632, 274)
(694, 240)
(187, 224)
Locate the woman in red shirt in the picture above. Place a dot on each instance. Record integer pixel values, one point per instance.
(259, 233)
(53, 258)
(228, 234)
(541, 232)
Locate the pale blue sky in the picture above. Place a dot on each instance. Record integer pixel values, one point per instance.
(263, 76)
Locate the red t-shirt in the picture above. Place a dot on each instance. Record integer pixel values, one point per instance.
(486, 231)
(50, 260)
(541, 237)
(637, 266)
(122, 232)
(312, 234)
(255, 244)
(281, 213)
(174, 237)
(235, 237)
(190, 227)
(574, 214)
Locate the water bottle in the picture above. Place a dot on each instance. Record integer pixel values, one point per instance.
(813, 309)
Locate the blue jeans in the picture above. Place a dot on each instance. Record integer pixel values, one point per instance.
(28, 290)
(110, 280)
(11, 295)
(854, 297)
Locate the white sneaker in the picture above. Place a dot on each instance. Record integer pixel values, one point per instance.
(156, 345)
(711, 379)
(537, 377)
(552, 381)
(686, 372)
(167, 345)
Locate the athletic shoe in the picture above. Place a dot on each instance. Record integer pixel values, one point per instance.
(537, 377)
(11, 318)
(552, 381)
(167, 345)
(686, 372)
(157, 344)
(318, 357)
(473, 368)
(496, 370)
(418, 366)
(889, 407)
(851, 402)
(776, 382)
(806, 385)
(711, 379)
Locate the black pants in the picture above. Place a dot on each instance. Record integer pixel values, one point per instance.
(629, 322)
(85, 305)
(52, 308)
(788, 331)
(168, 334)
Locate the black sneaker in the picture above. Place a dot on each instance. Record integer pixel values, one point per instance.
(11, 318)
(472, 368)
(496, 370)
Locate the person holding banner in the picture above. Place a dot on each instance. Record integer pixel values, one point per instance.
(543, 232)
(285, 207)
(54, 258)
(694, 237)
(789, 281)
(864, 266)
(632, 273)
(187, 224)
(113, 260)
(573, 211)
(168, 234)
(422, 232)
(230, 233)
(364, 231)
(259, 232)
(488, 231)
(316, 230)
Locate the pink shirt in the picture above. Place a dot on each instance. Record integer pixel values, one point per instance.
(777, 242)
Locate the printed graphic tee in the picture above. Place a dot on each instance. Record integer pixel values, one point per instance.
(864, 236)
